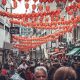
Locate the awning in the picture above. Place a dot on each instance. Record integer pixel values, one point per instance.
(74, 51)
(78, 53)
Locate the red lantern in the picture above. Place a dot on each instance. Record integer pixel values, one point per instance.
(67, 8)
(78, 5)
(57, 1)
(41, 1)
(26, 5)
(19, 0)
(14, 4)
(47, 19)
(70, 12)
(64, 1)
(40, 7)
(44, 1)
(4, 2)
(75, 9)
(35, 0)
(33, 6)
(47, 8)
(49, 1)
(26, 0)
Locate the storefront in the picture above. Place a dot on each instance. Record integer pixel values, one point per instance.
(6, 51)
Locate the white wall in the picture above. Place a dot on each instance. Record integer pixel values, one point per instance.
(7, 37)
(2, 37)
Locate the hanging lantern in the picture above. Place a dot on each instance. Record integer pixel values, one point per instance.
(57, 1)
(26, 5)
(41, 1)
(50, 1)
(14, 4)
(33, 6)
(35, 0)
(47, 19)
(19, 0)
(47, 8)
(75, 9)
(78, 5)
(40, 7)
(41, 19)
(64, 1)
(4, 2)
(70, 12)
(68, 9)
(44, 1)
(26, 0)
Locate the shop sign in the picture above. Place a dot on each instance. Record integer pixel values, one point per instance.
(14, 30)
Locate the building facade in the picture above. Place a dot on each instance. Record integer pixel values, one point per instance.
(5, 36)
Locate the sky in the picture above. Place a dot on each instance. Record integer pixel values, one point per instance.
(21, 7)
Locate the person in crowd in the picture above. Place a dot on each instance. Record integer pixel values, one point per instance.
(23, 65)
(22, 74)
(65, 73)
(29, 75)
(6, 65)
(10, 62)
(3, 74)
(11, 71)
(40, 73)
(78, 70)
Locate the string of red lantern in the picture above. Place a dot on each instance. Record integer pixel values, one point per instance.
(33, 15)
(57, 1)
(4, 2)
(42, 39)
(52, 25)
(39, 43)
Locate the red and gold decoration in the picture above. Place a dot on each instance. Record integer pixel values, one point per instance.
(50, 20)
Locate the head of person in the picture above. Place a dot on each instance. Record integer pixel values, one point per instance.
(65, 73)
(23, 62)
(40, 73)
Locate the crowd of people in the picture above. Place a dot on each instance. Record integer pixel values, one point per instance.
(65, 68)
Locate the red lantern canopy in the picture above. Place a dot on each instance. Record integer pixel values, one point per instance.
(26, 5)
(4, 2)
(33, 6)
